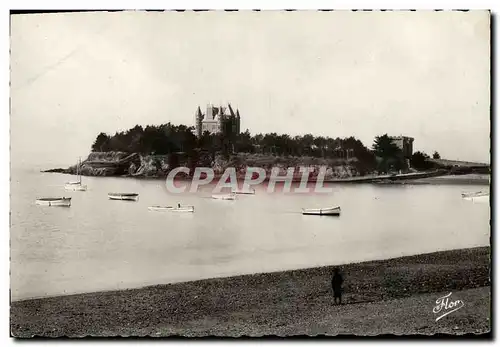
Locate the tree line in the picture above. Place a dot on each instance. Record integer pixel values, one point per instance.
(168, 138)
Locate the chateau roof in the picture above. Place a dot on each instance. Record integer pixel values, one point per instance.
(198, 111)
(231, 112)
(401, 137)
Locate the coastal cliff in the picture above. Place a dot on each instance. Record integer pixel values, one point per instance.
(337, 170)
(137, 165)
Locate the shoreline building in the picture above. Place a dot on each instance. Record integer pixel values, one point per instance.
(405, 144)
(217, 119)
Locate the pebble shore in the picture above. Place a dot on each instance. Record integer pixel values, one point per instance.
(394, 296)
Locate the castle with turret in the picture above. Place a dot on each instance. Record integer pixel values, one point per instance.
(217, 119)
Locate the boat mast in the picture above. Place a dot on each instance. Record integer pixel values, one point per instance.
(78, 170)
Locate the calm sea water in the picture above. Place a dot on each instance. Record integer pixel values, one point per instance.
(100, 244)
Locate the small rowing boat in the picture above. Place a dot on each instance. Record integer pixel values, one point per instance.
(249, 191)
(65, 202)
(476, 196)
(123, 196)
(330, 211)
(172, 208)
(231, 196)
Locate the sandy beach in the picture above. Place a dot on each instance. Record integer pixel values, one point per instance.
(394, 296)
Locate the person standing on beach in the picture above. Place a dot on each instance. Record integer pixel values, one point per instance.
(337, 281)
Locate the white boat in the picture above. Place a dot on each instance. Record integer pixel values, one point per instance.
(66, 202)
(123, 196)
(249, 191)
(476, 196)
(231, 196)
(329, 211)
(172, 208)
(76, 186)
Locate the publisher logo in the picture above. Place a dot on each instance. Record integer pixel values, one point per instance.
(445, 305)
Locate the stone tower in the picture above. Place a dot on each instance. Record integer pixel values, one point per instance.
(199, 121)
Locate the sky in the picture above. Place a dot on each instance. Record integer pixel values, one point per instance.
(423, 74)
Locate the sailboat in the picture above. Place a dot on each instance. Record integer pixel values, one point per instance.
(76, 185)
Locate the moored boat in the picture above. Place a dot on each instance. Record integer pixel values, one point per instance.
(475, 194)
(231, 196)
(248, 191)
(123, 196)
(329, 211)
(65, 202)
(76, 186)
(172, 208)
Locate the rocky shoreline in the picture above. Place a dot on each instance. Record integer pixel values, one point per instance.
(394, 296)
(421, 178)
(158, 166)
(135, 165)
